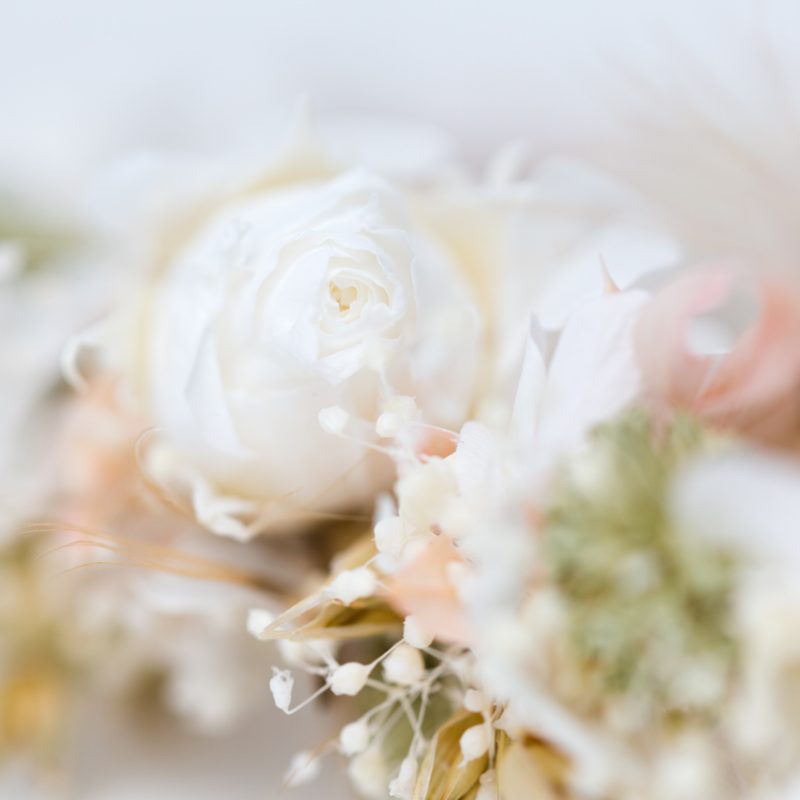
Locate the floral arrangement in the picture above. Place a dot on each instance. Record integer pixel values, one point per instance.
(508, 466)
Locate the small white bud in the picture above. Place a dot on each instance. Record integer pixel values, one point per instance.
(333, 419)
(349, 678)
(415, 634)
(161, 462)
(303, 768)
(390, 535)
(424, 493)
(404, 666)
(281, 684)
(353, 584)
(402, 787)
(475, 742)
(258, 619)
(368, 772)
(388, 425)
(474, 700)
(354, 737)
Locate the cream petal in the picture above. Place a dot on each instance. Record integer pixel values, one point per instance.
(745, 499)
(592, 376)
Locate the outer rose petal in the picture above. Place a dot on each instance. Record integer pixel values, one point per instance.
(425, 589)
(755, 388)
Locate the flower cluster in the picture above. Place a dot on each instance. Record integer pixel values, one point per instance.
(507, 461)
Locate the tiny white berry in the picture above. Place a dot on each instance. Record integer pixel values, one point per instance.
(349, 678)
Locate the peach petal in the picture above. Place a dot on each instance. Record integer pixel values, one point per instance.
(424, 588)
(755, 388)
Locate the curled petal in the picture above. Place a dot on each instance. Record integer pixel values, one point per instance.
(752, 389)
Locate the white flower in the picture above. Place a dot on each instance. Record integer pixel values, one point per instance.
(349, 678)
(258, 620)
(748, 502)
(402, 787)
(281, 684)
(353, 584)
(289, 312)
(415, 634)
(391, 535)
(535, 242)
(369, 774)
(475, 741)
(592, 375)
(475, 701)
(404, 666)
(354, 737)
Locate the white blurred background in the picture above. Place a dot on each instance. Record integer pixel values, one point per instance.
(84, 82)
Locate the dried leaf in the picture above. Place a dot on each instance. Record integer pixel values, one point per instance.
(443, 775)
(530, 769)
(316, 618)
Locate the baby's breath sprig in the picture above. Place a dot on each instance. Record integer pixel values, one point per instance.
(647, 606)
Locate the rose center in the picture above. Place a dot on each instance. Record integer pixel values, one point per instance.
(344, 296)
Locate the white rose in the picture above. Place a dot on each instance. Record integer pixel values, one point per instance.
(284, 301)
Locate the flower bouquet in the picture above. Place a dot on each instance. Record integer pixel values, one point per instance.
(506, 466)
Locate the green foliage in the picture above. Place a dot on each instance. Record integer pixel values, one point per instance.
(648, 608)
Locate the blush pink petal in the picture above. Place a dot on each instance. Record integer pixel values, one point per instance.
(755, 388)
(424, 588)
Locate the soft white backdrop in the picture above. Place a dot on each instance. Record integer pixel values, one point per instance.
(86, 81)
(83, 81)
